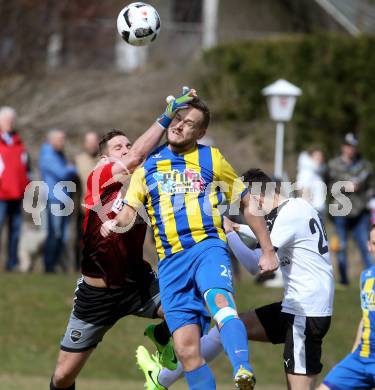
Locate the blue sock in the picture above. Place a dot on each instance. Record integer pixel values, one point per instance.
(234, 339)
(200, 379)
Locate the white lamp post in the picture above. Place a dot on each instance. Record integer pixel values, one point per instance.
(281, 99)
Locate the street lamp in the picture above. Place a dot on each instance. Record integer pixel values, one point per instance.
(281, 99)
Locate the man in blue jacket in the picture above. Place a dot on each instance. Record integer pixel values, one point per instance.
(55, 170)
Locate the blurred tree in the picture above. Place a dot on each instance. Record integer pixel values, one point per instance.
(23, 33)
(335, 73)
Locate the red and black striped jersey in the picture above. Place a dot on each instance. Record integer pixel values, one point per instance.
(118, 258)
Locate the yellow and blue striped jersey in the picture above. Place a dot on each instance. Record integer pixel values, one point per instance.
(367, 345)
(181, 194)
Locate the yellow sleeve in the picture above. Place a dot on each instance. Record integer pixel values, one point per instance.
(137, 191)
(234, 188)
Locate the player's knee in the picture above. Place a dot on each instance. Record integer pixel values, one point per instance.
(62, 378)
(187, 351)
(254, 328)
(221, 305)
(247, 319)
(189, 355)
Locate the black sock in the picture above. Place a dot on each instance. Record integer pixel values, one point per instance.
(161, 333)
(53, 387)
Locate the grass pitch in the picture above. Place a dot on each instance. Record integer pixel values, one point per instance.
(34, 310)
(33, 383)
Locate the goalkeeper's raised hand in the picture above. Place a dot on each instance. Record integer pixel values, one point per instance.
(175, 104)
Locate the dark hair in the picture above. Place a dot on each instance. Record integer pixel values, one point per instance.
(104, 140)
(256, 175)
(200, 105)
(372, 227)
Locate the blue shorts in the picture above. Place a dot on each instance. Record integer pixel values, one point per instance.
(186, 275)
(353, 372)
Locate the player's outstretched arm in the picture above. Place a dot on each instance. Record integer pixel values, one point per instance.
(151, 137)
(126, 217)
(140, 149)
(247, 257)
(268, 261)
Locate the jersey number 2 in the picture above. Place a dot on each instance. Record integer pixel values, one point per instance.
(314, 227)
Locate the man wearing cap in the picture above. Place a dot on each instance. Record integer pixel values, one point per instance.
(350, 166)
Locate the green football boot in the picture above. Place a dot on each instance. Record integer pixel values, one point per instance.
(150, 367)
(166, 355)
(244, 379)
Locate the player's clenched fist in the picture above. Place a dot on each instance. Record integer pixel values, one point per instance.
(108, 227)
(268, 262)
(230, 226)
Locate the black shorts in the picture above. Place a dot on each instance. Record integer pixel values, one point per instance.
(301, 335)
(96, 310)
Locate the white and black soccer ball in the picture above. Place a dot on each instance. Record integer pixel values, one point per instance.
(138, 24)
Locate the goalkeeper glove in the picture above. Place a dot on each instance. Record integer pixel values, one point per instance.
(175, 104)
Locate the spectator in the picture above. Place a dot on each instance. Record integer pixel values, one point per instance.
(85, 163)
(55, 168)
(310, 171)
(14, 169)
(350, 166)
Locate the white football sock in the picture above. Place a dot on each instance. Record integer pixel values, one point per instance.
(210, 348)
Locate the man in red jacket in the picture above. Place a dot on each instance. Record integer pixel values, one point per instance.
(13, 181)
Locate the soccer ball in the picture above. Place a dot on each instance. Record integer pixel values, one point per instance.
(138, 24)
